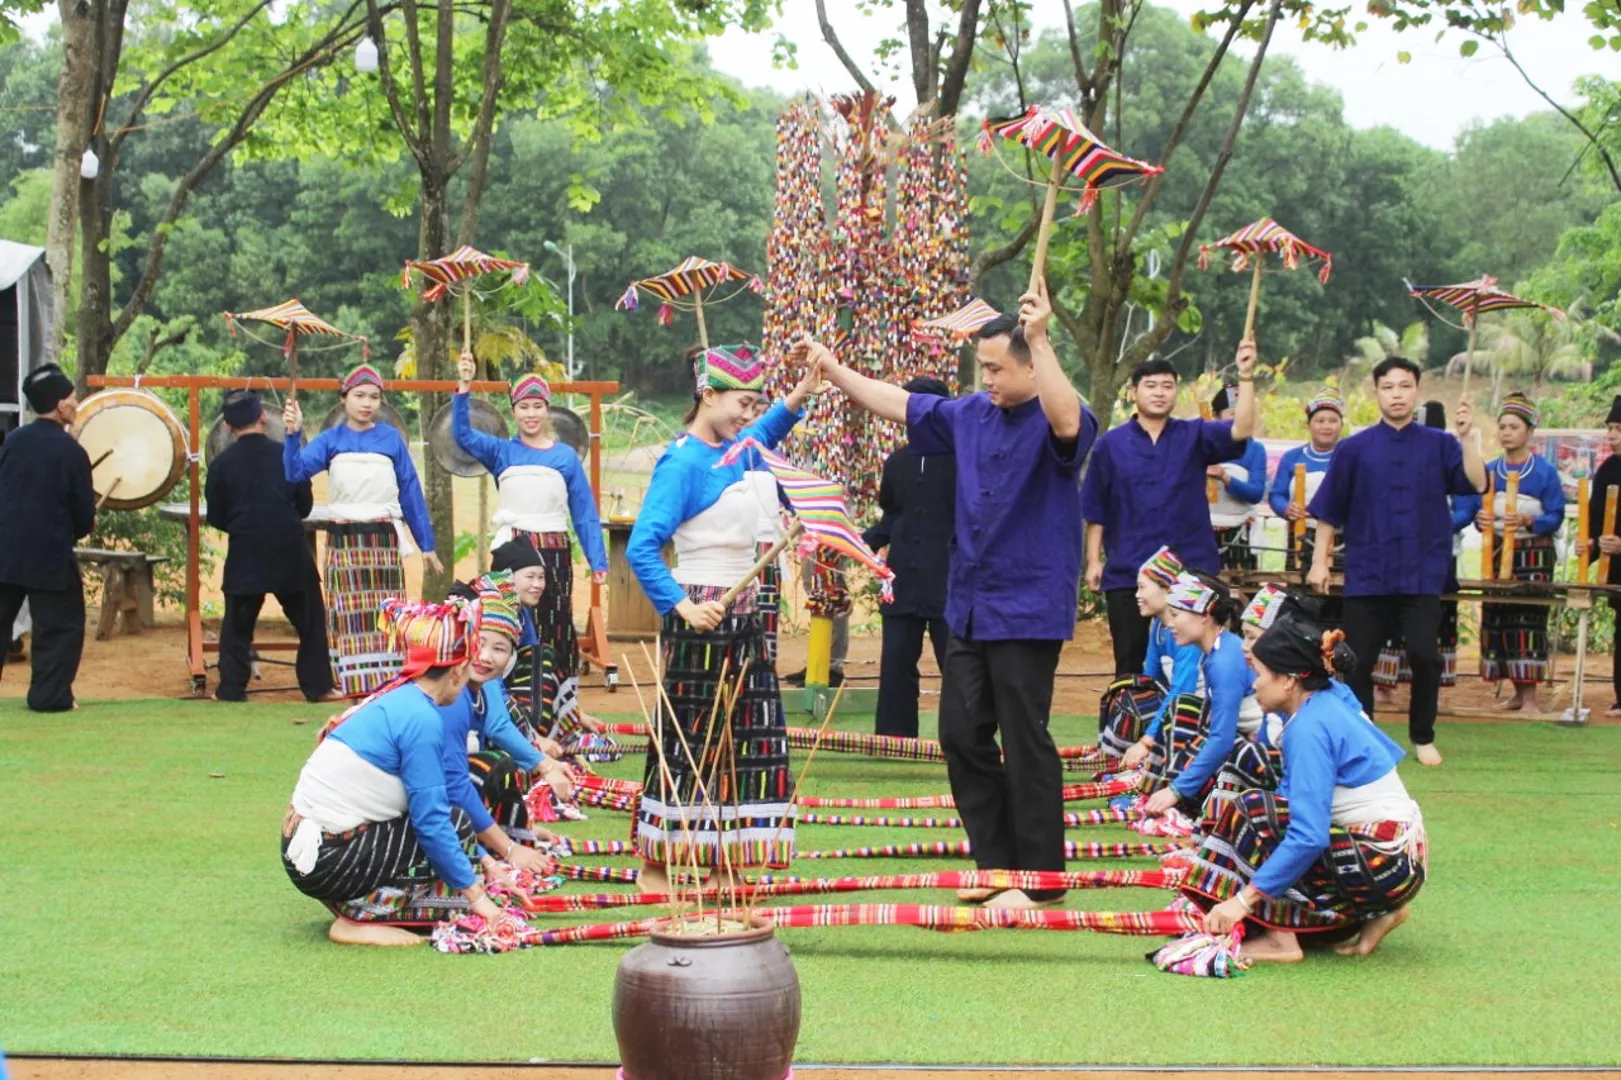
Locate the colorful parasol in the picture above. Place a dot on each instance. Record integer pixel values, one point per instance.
(463, 264)
(299, 321)
(1473, 299)
(819, 506)
(956, 327)
(1075, 151)
(1252, 243)
(685, 286)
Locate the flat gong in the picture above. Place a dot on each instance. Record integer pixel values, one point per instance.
(220, 436)
(442, 441)
(136, 445)
(571, 430)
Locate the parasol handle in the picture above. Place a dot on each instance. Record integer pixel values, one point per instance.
(467, 319)
(292, 370)
(1038, 262)
(109, 492)
(703, 328)
(1469, 359)
(1255, 298)
(763, 561)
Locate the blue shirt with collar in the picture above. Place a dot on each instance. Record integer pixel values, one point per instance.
(1016, 546)
(1386, 490)
(1228, 680)
(488, 718)
(1179, 668)
(1150, 493)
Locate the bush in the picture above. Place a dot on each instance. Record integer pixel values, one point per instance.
(144, 530)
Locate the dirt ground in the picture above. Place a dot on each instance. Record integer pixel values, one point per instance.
(152, 664)
(94, 1069)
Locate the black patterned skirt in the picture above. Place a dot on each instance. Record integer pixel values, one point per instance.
(721, 785)
(769, 600)
(501, 786)
(1181, 737)
(554, 615)
(363, 569)
(379, 873)
(1367, 870)
(1514, 637)
(1125, 711)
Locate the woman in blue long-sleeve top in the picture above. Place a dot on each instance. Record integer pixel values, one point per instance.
(709, 512)
(1340, 844)
(1514, 637)
(541, 488)
(372, 490)
(1240, 486)
(1201, 609)
(372, 831)
(1132, 712)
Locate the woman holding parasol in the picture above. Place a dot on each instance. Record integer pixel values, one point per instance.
(708, 511)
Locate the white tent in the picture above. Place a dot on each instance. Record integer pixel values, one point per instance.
(25, 324)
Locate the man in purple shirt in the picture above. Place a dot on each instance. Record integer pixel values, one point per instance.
(1145, 490)
(1010, 601)
(1386, 490)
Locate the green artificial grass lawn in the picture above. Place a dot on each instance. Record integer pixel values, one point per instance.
(145, 911)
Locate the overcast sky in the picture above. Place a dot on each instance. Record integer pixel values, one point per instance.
(1431, 99)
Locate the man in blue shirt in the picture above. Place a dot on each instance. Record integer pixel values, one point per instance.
(1010, 599)
(1386, 490)
(1145, 490)
(1240, 485)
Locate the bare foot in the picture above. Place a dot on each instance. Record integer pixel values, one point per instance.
(976, 896)
(1019, 900)
(653, 879)
(1613, 711)
(1513, 704)
(1427, 754)
(1274, 946)
(1384, 695)
(344, 932)
(1373, 932)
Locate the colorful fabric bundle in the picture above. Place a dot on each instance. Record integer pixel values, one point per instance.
(1325, 399)
(460, 265)
(364, 375)
(1059, 134)
(1204, 955)
(1163, 568)
(529, 386)
(730, 367)
(1262, 610)
(1517, 404)
(1189, 593)
(1264, 236)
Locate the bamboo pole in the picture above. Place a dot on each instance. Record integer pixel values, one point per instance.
(1038, 262)
(1297, 530)
(698, 310)
(1488, 534)
(1511, 524)
(1469, 361)
(292, 366)
(1610, 498)
(763, 561)
(1255, 298)
(1583, 527)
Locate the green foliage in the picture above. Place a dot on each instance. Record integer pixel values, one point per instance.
(23, 215)
(145, 531)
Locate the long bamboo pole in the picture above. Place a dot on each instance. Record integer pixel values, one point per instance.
(1038, 261)
(1488, 534)
(1511, 525)
(1255, 299)
(1610, 499)
(1297, 530)
(1584, 561)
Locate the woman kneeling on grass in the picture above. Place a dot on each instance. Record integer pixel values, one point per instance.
(371, 831)
(1341, 844)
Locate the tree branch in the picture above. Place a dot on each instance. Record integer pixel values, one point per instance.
(831, 36)
(1609, 162)
(924, 82)
(994, 257)
(1075, 49)
(962, 56)
(494, 42)
(444, 85)
(391, 92)
(151, 88)
(419, 79)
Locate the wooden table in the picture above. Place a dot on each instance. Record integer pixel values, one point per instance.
(126, 588)
(631, 616)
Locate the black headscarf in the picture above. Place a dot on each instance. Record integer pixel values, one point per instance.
(1300, 648)
(925, 384)
(515, 555)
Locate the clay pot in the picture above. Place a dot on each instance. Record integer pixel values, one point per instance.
(716, 1007)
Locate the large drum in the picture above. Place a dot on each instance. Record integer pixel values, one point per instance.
(136, 445)
(219, 436)
(451, 457)
(388, 414)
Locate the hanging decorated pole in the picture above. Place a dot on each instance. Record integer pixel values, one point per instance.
(819, 511)
(1250, 246)
(459, 268)
(690, 286)
(1075, 151)
(1473, 299)
(298, 321)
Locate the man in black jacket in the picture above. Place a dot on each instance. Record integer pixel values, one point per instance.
(918, 496)
(46, 503)
(251, 500)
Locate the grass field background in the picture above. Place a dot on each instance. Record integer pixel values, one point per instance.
(144, 910)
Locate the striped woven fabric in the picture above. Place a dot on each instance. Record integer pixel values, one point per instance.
(869, 745)
(956, 327)
(693, 275)
(293, 317)
(606, 800)
(1071, 820)
(460, 265)
(569, 846)
(1475, 297)
(1073, 851)
(606, 791)
(817, 503)
(1060, 133)
(622, 874)
(1267, 236)
(940, 917)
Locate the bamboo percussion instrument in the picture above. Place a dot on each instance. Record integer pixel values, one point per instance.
(1511, 524)
(1297, 531)
(1488, 545)
(1583, 521)
(1610, 497)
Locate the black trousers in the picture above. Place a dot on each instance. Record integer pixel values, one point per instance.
(1128, 629)
(1010, 799)
(897, 674)
(58, 634)
(1368, 620)
(307, 614)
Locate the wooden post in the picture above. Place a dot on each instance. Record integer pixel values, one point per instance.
(1488, 545)
(1576, 716)
(194, 539)
(1610, 496)
(1255, 298)
(1583, 527)
(1297, 529)
(698, 310)
(1038, 262)
(1511, 524)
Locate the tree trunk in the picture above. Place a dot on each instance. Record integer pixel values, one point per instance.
(432, 326)
(75, 114)
(93, 333)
